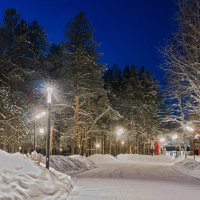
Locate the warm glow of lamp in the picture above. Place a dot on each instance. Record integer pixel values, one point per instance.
(197, 136)
(174, 137)
(40, 115)
(162, 139)
(189, 128)
(120, 131)
(41, 130)
(49, 91)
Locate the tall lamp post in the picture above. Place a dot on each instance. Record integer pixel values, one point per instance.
(38, 116)
(190, 129)
(49, 94)
(120, 132)
(97, 145)
(122, 143)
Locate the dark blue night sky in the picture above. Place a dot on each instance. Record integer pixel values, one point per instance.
(130, 31)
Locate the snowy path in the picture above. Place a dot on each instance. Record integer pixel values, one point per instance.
(134, 181)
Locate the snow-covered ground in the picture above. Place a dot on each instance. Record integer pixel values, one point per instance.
(22, 179)
(143, 179)
(189, 167)
(129, 177)
(144, 158)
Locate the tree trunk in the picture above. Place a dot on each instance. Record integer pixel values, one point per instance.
(78, 142)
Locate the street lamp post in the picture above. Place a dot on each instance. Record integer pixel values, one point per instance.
(49, 94)
(38, 116)
(122, 143)
(20, 148)
(190, 129)
(120, 132)
(34, 134)
(97, 145)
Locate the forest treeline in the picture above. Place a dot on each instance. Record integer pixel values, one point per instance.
(90, 102)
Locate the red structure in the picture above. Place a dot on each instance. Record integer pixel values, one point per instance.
(157, 147)
(198, 151)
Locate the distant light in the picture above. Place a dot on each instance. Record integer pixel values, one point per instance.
(49, 91)
(40, 115)
(162, 139)
(97, 145)
(196, 136)
(174, 137)
(120, 131)
(189, 128)
(122, 142)
(41, 130)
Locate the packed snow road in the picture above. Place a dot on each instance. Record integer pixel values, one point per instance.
(134, 181)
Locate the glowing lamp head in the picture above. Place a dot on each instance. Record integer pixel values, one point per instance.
(162, 139)
(40, 115)
(122, 142)
(97, 145)
(174, 137)
(41, 130)
(197, 136)
(120, 131)
(49, 94)
(189, 128)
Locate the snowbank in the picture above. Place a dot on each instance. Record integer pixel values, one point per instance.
(144, 158)
(88, 162)
(188, 166)
(197, 158)
(99, 158)
(22, 179)
(67, 165)
(34, 156)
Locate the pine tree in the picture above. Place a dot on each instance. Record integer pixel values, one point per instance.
(134, 95)
(82, 78)
(18, 74)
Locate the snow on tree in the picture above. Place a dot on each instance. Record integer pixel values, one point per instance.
(134, 95)
(18, 65)
(182, 64)
(81, 77)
